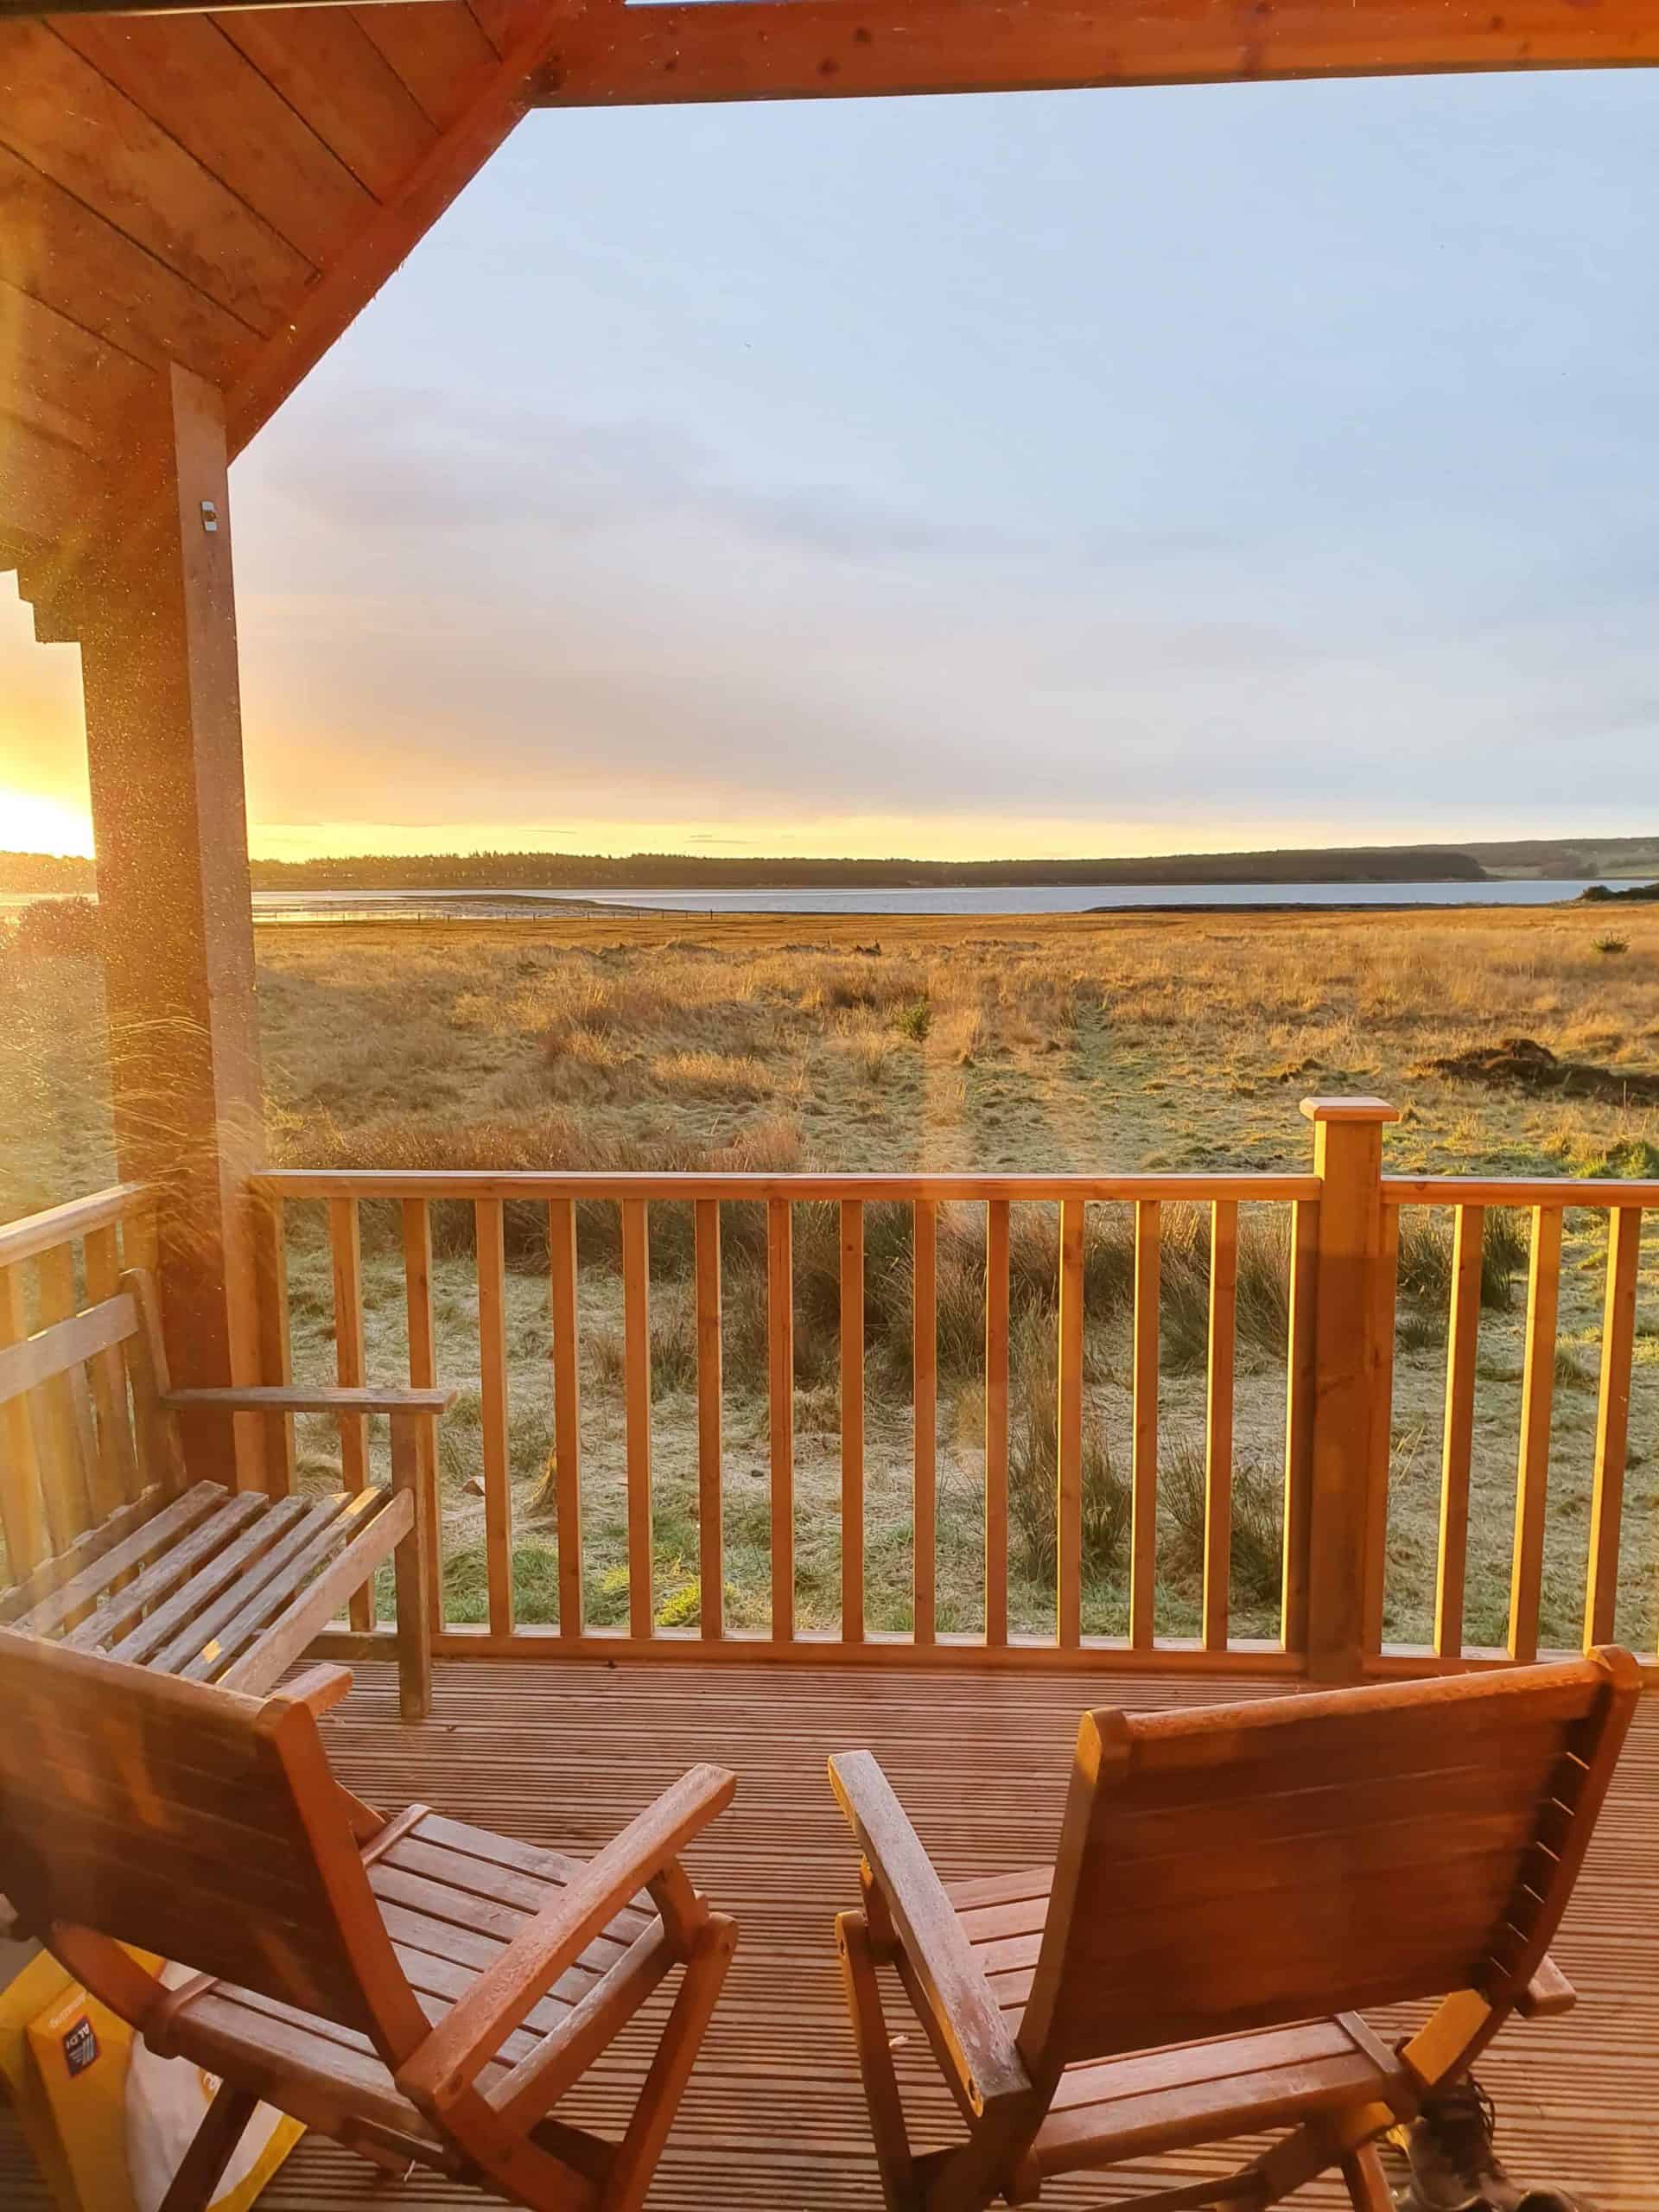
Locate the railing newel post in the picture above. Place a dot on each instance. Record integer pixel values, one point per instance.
(1352, 1347)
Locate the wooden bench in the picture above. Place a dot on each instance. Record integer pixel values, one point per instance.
(133, 1560)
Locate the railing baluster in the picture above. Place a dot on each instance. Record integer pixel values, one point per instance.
(21, 1509)
(1143, 1510)
(1373, 1589)
(711, 1570)
(1068, 1599)
(276, 1347)
(852, 1421)
(1612, 1424)
(117, 1480)
(491, 1242)
(59, 1438)
(1537, 1404)
(996, 1421)
(780, 1341)
(925, 1397)
(1218, 1423)
(345, 1255)
(566, 1409)
(1301, 1350)
(1463, 1344)
(423, 1376)
(636, 1373)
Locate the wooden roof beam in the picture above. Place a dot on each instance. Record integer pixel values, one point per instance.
(816, 49)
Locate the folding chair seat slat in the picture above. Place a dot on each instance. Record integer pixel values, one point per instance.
(469, 1932)
(442, 1979)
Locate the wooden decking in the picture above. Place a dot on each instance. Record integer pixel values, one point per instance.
(773, 2121)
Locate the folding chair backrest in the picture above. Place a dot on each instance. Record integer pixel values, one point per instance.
(1252, 1865)
(185, 1820)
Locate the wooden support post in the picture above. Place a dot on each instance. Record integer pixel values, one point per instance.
(151, 601)
(1351, 1364)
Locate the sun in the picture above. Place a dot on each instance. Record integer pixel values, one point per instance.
(31, 824)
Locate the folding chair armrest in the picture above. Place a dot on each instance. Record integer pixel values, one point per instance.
(447, 2063)
(1548, 1994)
(927, 1927)
(263, 1398)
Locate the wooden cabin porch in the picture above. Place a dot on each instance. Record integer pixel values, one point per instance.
(773, 2121)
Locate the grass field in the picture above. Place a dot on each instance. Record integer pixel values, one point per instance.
(1106, 1044)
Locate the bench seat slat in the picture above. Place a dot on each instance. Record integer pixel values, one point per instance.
(149, 1539)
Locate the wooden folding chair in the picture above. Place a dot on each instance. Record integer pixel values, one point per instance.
(1234, 1886)
(424, 1991)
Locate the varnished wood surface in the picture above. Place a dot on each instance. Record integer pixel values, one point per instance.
(773, 2120)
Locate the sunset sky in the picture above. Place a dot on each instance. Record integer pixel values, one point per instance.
(1087, 473)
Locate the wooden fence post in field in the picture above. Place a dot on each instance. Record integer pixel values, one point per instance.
(1352, 1343)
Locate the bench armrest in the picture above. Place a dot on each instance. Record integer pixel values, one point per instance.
(925, 1922)
(318, 1688)
(270, 1399)
(473, 2030)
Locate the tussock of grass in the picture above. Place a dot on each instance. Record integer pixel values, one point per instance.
(1427, 1251)
(1258, 1502)
(1034, 1449)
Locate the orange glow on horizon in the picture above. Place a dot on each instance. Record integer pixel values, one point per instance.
(29, 824)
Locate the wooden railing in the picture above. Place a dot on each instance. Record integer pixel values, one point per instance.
(53, 1265)
(1548, 1202)
(824, 1331)
(635, 1203)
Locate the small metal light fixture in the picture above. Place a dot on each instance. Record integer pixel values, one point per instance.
(209, 517)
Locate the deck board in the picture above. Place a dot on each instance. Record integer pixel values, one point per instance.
(772, 2121)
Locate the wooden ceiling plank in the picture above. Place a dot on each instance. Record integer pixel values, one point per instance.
(56, 249)
(184, 71)
(504, 23)
(347, 286)
(64, 378)
(319, 60)
(748, 49)
(62, 116)
(438, 50)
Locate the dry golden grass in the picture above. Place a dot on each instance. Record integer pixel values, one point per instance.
(1109, 1044)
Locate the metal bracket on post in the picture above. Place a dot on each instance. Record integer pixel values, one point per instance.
(1353, 1343)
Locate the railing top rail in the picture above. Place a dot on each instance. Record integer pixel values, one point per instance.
(376, 1183)
(1601, 1193)
(35, 1233)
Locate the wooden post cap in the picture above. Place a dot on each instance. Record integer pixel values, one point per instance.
(1350, 1109)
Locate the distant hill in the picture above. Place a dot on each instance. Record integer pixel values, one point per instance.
(1570, 857)
(1552, 857)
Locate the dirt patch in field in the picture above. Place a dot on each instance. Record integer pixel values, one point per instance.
(1522, 1063)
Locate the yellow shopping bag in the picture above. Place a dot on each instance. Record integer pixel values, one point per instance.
(109, 2121)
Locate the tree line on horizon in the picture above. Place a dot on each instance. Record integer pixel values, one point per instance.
(24, 873)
